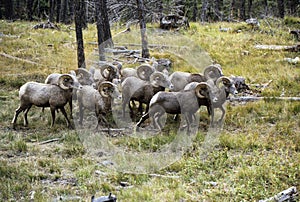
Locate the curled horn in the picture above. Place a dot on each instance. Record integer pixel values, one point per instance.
(224, 79)
(213, 71)
(65, 82)
(107, 67)
(144, 71)
(104, 85)
(155, 76)
(200, 87)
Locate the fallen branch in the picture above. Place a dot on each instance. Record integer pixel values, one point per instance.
(164, 176)
(115, 51)
(250, 99)
(19, 59)
(49, 141)
(289, 194)
(294, 48)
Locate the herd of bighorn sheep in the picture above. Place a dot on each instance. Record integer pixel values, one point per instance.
(151, 86)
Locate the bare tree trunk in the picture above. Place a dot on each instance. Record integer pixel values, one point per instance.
(51, 10)
(64, 11)
(71, 10)
(9, 10)
(204, 8)
(218, 8)
(266, 7)
(29, 10)
(141, 10)
(195, 10)
(79, 35)
(103, 28)
(232, 10)
(280, 5)
(58, 8)
(243, 9)
(250, 3)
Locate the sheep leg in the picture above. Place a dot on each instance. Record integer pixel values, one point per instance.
(222, 116)
(80, 114)
(52, 109)
(212, 117)
(62, 109)
(71, 108)
(188, 118)
(17, 112)
(124, 103)
(25, 115)
(156, 120)
(143, 119)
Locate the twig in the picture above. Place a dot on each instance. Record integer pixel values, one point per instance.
(164, 176)
(51, 140)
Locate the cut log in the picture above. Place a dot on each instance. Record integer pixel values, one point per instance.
(252, 98)
(294, 48)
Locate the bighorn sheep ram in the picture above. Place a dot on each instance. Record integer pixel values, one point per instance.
(184, 102)
(46, 95)
(107, 72)
(143, 88)
(83, 76)
(160, 65)
(54, 79)
(181, 79)
(219, 93)
(98, 101)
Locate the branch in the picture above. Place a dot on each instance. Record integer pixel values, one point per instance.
(49, 141)
(19, 59)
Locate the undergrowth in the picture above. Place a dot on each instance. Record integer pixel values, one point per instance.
(256, 154)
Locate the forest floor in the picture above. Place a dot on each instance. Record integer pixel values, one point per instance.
(253, 156)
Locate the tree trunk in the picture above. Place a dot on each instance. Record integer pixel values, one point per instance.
(79, 35)
(71, 10)
(58, 8)
(141, 13)
(83, 14)
(103, 29)
(203, 10)
(280, 5)
(9, 10)
(250, 3)
(266, 7)
(64, 11)
(219, 9)
(29, 10)
(195, 10)
(232, 10)
(51, 10)
(243, 9)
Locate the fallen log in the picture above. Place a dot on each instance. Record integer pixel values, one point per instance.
(252, 98)
(19, 59)
(294, 48)
(289, 194)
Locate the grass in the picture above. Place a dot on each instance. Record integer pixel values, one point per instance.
(255, 156)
